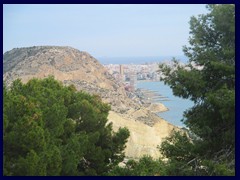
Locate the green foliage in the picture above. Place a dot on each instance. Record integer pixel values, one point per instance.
(217, 169)
(177, 147)
(146, 166)
(50, 129)
(29, 166)
(185, 158)
(209, 81)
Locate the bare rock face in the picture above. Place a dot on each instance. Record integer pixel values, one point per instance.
(65, 63)
(72, 66)
(143, 139)
(68, 65)
(157, 107)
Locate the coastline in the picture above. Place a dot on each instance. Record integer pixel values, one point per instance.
(158, 92)
(150, 99)
(147, 80)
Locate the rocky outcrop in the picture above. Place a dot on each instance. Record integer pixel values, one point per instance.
(157, 107)
(143, 139)
(72, 66)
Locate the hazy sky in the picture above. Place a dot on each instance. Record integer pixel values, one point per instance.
(101, 30)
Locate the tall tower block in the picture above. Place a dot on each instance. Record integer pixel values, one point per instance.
(121, 70)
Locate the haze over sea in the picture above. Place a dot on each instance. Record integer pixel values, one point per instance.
(175, 104)
(139, 60)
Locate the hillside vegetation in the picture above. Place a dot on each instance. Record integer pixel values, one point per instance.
(50, 129)
(53, 129)
(73, 67)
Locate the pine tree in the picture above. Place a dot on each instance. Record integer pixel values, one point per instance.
(209, 81)
(51, 129)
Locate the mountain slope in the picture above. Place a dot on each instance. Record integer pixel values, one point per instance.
(72, 66)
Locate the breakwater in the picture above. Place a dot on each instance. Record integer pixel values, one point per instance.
(155, 92)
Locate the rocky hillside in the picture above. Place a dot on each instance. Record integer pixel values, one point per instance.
(68, 65)
(72, 66)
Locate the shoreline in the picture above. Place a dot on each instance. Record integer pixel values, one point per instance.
(147, 80)
(154, 98)
(148, 96)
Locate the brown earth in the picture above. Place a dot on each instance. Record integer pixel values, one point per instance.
(72, 66)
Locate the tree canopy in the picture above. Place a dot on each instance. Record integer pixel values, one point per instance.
(51, 129)
(209, 81)
(207, 147)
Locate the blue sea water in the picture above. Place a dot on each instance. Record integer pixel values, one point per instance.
(175, 104)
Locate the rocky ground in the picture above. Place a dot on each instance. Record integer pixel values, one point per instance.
(143, 139)
(72, 66)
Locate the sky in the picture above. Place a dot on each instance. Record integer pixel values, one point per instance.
(137, 30)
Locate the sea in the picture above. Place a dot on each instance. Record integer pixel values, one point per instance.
(140, 60)
(176, 105)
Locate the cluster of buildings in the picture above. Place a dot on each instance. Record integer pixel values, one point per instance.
(129, 74)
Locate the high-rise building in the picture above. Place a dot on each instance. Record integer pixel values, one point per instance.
(133, 80)
(121, 71)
